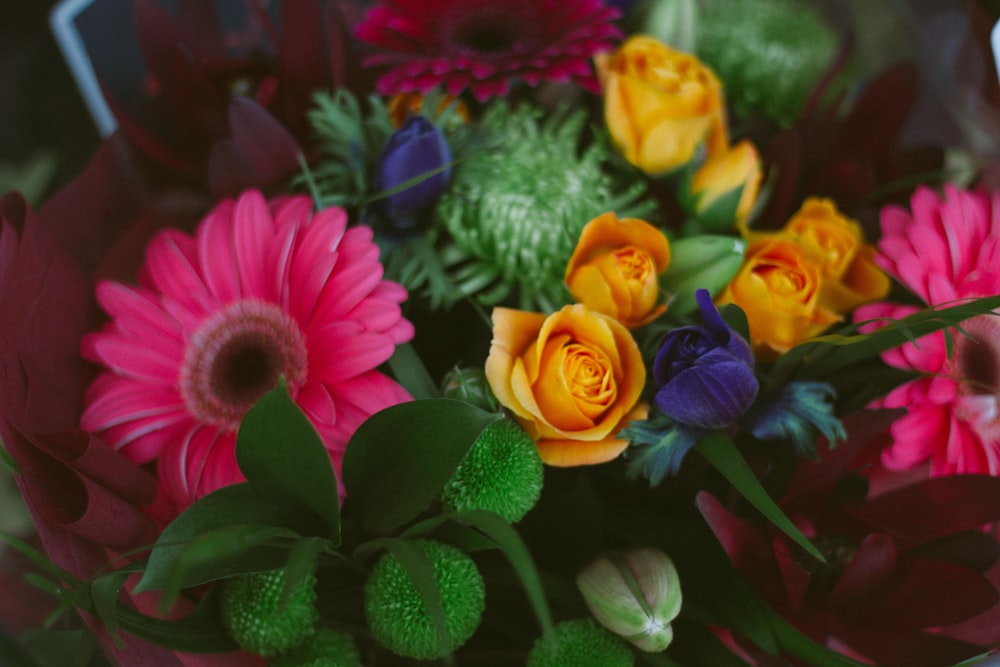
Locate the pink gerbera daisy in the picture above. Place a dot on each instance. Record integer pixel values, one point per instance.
(261, 291)
(481, 45)
(948, 249)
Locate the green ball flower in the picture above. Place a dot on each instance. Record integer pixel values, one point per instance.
(398, 617)
(581, 643)
(768, 53)
(501, 473)
(255, 619)
(326, 648)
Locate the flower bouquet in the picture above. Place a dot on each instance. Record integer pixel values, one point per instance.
(554, 333)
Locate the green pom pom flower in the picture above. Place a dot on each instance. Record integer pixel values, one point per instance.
(398, 617)
(501, 473)
(255, 618)
(518, 202)
(326, 648)
(768, 53)
(581, 643)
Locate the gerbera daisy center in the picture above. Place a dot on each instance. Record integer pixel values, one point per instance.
(237, 356)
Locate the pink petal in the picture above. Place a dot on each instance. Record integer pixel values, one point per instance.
(216, 254)
(253, 232)
(355, 356)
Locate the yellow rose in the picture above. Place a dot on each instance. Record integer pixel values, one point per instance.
(615, 266)
(572, 380)
(835, 245)
(660, 104)
(778, 288)
(737, 168)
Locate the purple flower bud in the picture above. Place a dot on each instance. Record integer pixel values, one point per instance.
(417, 150)
(704, 374)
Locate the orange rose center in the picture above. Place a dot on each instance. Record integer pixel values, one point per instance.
(588, 377)
(634, 265)
(781, 279)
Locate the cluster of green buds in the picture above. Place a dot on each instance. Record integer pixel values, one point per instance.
(635, 594)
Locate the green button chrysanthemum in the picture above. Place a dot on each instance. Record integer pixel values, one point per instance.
(502, 473)
(581, 643)
(398, 617)
(326, 648)
(768, 53)
(255, 618)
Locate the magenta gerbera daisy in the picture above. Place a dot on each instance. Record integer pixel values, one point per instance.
(946, 250)
(263, 290)
(481, 45)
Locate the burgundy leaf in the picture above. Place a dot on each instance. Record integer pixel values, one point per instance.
(871, 568)
(270, 149)
(876, 119)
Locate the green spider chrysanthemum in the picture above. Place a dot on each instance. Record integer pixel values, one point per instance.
(255, 618)
(398, 617)
(501, 473)
(326, 648)
(581, 643)
(518, 202)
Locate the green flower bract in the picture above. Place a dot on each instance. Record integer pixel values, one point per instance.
(255, 618)
(581, 643)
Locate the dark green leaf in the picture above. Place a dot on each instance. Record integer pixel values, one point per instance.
(8, 460)
(226, 552)
(410, 371)
(199, 632)
(39, 559)
(722, 453)
(104, 592)
(398, 461)
(231, 505)
(795, 644)
(301, 563)
(820, 357)
(280, 452)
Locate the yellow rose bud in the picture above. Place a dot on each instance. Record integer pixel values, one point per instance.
(725, 188)
(661, 104)
(778, 288)
(635, 595)
(572, 379)
(615, 266)
(835, 244)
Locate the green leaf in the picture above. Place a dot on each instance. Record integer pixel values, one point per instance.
(720, 451)
(409, 371)
(8, 460)
(226, 552)
(506, 538)
(821, 357)
(201, 631)
(399, 459)
(795, 644)
(104, 592)
(280, 453)
(229, 506)
(420, 570)
(301, 563)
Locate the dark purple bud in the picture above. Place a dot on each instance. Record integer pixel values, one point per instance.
(416, 152)
(704, 374)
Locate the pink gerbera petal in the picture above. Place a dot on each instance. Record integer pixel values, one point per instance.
(946, 249)
(263, 290)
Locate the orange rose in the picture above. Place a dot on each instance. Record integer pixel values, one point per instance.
(661, 104)
(615, 266)
(572, 380)
(778, 288)
(835, 244)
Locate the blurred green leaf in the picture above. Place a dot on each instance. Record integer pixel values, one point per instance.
(720, 451)
(821, 357)
(201, 631)
(280, 453)
(409, 371)
(398, 460)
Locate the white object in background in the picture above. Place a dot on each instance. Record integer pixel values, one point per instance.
(996, 46)
(62, 20)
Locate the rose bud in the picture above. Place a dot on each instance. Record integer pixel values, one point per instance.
(417, 150)
(635, 594)
(724, 189)
(704, 374)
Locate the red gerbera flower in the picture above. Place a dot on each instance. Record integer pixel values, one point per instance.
(480, 45)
